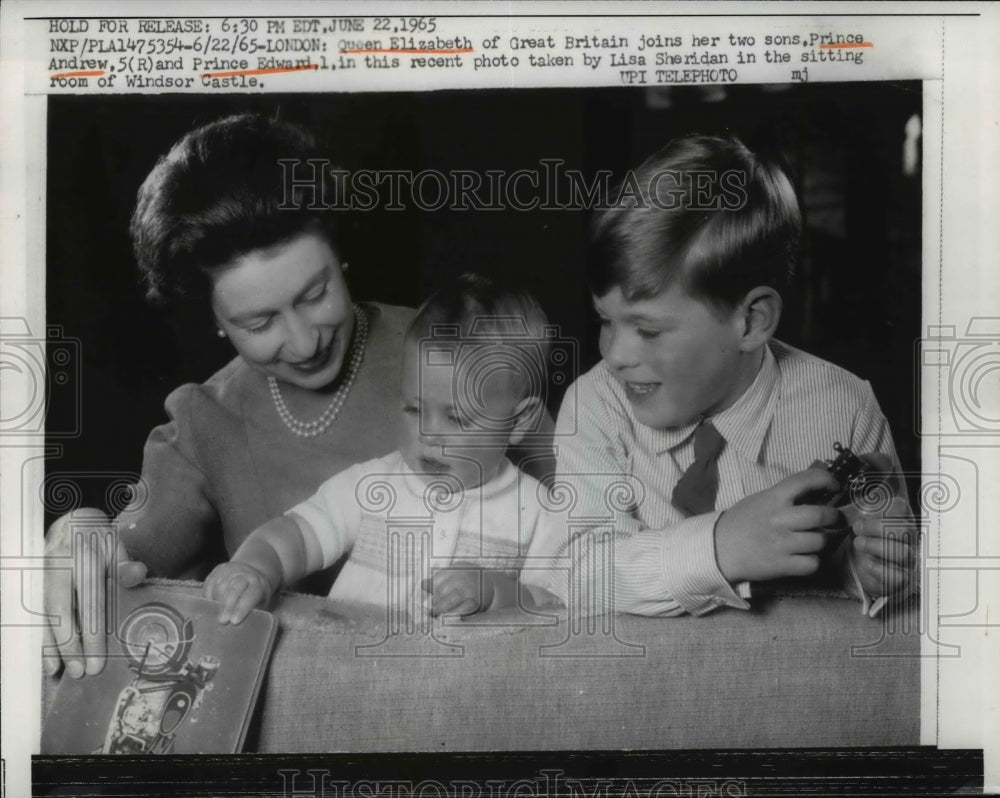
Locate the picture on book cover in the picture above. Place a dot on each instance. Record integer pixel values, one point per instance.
(176, 681)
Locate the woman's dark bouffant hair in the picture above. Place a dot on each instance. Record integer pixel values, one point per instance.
(706, 212)
(219, 193)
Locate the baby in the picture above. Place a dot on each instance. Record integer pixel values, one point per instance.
(473, 376)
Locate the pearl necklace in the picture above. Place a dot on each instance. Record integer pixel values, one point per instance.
(310, 429)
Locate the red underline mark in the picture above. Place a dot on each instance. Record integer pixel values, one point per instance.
(92, 74)
(844, 46)
(408, 52)
(273, 71)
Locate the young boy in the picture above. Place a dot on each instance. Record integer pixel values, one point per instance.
(694, 397)
(473, 374)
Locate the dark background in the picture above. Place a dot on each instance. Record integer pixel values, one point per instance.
(855, 301)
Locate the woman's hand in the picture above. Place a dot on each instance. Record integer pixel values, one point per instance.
(83, 550)
(239, 587)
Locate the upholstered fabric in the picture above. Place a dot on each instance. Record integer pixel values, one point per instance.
(781, 675)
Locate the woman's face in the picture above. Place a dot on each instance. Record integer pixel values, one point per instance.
(287, 310)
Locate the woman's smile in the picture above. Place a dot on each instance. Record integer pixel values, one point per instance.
(316, 362)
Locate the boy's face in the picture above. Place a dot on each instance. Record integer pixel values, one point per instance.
(676, 357)
(451, 428)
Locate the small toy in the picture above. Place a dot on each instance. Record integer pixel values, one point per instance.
(851, 473)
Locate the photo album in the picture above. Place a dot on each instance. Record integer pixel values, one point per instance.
(176, 680)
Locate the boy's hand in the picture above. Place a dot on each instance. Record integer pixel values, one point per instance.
(884, 548)
(462, 589)
(768, 536)
(239, 587)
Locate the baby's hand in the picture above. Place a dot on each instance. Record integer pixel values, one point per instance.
(239, 587)
(768, 536)
(462, 589)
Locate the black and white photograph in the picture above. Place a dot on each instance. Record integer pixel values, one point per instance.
(233, 454)
(572, 439)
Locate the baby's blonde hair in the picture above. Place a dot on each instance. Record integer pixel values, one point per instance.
(490, 322)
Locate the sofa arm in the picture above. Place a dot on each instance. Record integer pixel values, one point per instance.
(802, 671)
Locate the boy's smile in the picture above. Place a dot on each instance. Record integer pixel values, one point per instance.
(676, 357)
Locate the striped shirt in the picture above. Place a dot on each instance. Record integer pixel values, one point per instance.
(643, 556)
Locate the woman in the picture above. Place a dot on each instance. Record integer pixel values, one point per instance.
(314, 380)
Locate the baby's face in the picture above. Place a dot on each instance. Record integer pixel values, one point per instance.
(452, 427)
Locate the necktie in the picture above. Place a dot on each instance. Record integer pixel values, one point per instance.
(694, 493)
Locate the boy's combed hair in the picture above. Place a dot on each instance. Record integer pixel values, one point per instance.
(477, 312)
(219, 193)
(704, 212)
